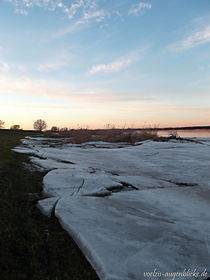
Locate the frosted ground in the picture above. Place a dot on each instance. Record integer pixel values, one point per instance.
(130, 209)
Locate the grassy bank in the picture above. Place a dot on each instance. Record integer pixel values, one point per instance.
(32, 246)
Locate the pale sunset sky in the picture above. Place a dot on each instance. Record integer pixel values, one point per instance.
(93, 62)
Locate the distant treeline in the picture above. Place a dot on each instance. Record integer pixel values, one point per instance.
(25, 130)
(146, 128)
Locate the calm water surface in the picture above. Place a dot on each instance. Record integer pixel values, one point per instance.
(187, 133)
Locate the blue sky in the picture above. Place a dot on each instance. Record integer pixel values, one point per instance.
(93, 62)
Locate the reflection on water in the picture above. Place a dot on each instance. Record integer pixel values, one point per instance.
(187, 133)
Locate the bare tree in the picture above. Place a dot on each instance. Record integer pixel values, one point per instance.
(15, 127)
(40, 125)
(54, 129)
(1, 124)
(64, 129)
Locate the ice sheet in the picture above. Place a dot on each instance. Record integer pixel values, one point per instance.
(131, 209)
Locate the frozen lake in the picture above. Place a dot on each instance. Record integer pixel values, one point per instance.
(131, 209)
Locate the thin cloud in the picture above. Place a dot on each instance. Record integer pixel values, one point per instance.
(139, 7)
(117, 13)
(53, 89)
(44, 107)
(60, 4)
(33, 3)
(69, 29)
(150, 107)
(97, 16)
(192, 40)
(22, 6)
(73, 9)
(112, 67)
(4, 67)
(21, 11)
(50, 67)
(85, 11)
(203, 68)
(117, 65)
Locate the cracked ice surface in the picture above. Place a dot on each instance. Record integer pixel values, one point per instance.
(154, 209)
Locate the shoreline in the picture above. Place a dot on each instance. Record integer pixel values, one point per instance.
(32, 245)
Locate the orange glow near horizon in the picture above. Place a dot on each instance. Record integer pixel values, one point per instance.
(52, 119)
(121, 113)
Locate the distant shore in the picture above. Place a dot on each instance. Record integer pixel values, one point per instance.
(185, 128)
(146, 128)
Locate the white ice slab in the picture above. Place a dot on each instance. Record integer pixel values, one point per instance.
(47, 205)
(130, 233)
(75, 181)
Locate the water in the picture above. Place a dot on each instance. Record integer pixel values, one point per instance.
(187, 133)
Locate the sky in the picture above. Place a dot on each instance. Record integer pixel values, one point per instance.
(79, 63)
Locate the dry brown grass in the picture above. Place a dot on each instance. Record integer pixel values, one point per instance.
(78, 136)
